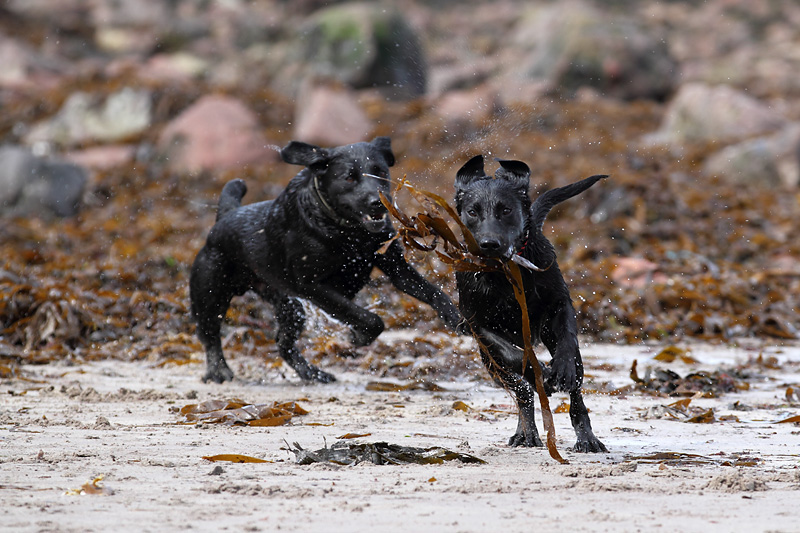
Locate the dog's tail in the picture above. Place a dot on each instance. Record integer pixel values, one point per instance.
(549, 199)
(231, 197)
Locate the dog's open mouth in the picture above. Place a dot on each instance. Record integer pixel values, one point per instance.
(375, 222)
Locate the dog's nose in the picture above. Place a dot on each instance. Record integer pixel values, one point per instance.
(489, 246)
(375, 206)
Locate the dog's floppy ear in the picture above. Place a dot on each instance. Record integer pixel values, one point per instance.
(300, 153)
(384, 145)
(515, 172)
(472, 170)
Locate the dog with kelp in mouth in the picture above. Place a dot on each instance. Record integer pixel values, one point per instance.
(508, 308)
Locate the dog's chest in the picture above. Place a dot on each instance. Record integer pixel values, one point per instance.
(340, 266)
(490, 298)
(485, 292)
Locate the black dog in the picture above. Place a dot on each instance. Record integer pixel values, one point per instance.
(500, 216)
(318, 240)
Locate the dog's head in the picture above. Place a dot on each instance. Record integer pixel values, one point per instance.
(347, 180)
(495, 209)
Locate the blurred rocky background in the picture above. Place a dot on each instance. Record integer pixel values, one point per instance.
(120, 120)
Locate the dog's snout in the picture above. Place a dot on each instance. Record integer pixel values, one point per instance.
(375, 205)
(489, 245)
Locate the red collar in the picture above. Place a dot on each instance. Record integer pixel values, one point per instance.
(522, 248)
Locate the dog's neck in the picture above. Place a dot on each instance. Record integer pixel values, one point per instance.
(327, 208)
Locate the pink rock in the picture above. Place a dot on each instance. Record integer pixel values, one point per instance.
(102, 157)
(172, 67)
(15, 59)
(23, 67)
(636, 273)
(216, 133)
(471, 105)
(330, 117)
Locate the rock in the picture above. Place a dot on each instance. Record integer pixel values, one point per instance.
(122, 27)
(365, 45)
(330, 117)
(468, 106)
(572, 44)
(31, 185)
(180, 66)
(752, 45)
(66, 12)
(23, 67)
(458, 77)
(636, 273)
(84, 117)
(215, 133)
(102, 157)
(771, 161)
(15, 59)
(702, 113)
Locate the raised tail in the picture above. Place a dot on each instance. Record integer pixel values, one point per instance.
(231, 197)
(549, 199)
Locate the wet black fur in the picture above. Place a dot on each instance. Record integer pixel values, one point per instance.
(499, 213)
(318, 240)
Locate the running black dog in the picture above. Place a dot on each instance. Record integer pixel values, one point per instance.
(500, 216)
(318, 240)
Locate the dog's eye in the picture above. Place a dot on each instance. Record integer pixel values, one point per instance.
(351, 178)
(505, 211)
(472, 212)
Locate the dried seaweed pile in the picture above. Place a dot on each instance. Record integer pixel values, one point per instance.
(112, 282)
(379, 453)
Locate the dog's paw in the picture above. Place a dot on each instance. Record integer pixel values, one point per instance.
(563, 375)
(217, 371)
(313, 373)
(590, 445)
(218, 374)
(361, 338)
(520, 439)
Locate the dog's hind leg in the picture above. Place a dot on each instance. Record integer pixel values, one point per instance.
(526, 434)
(501, 358)
(291, 321)
(210, 296)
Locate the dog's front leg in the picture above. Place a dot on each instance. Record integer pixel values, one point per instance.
(567, 375)
(411, 282)
(365, 325)
(579, 416)
(560, 336)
